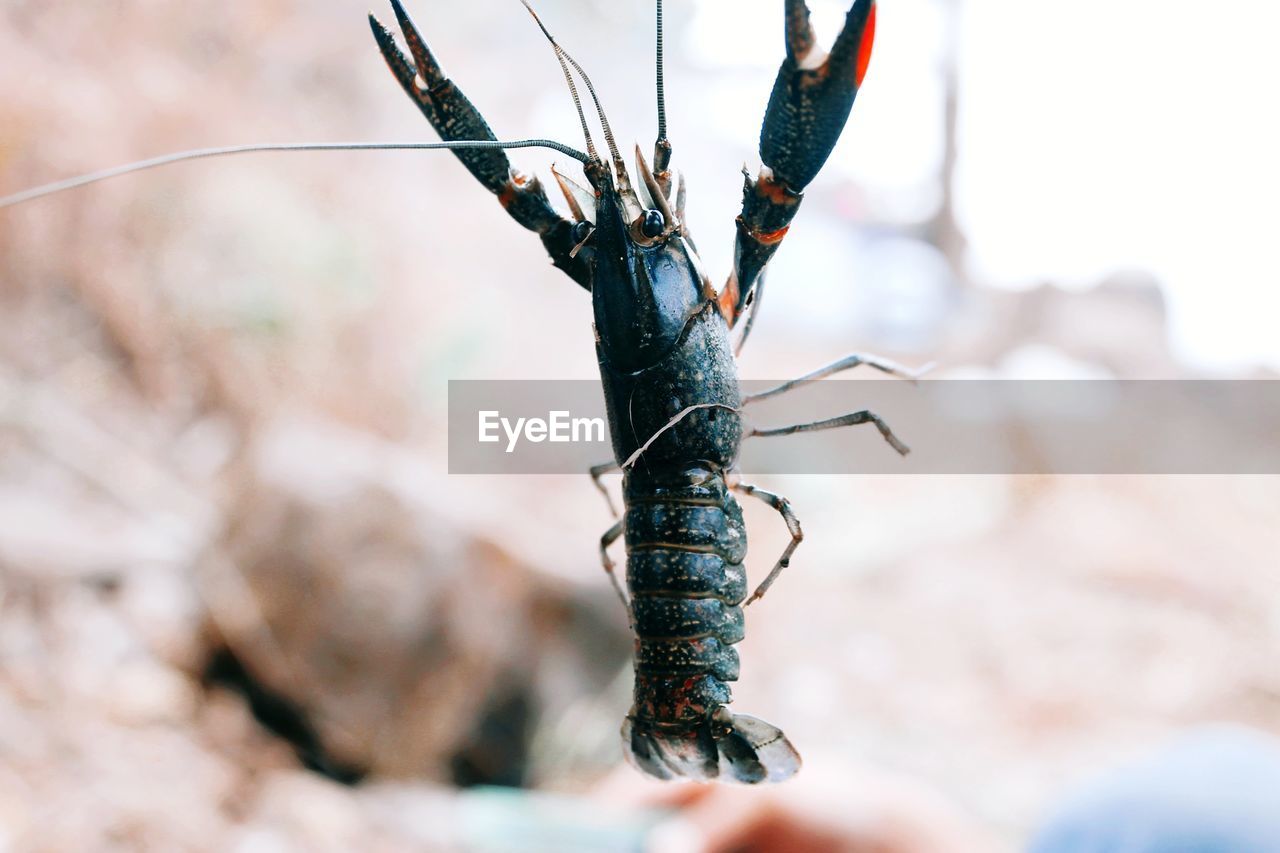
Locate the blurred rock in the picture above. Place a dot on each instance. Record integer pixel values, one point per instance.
(400, 634)
(146, 693)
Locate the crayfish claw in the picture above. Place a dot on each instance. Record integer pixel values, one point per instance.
(814, 93)
(430, 74)
(800, 36)
(808, 108)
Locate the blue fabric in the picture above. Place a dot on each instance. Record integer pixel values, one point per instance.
(1216, 790)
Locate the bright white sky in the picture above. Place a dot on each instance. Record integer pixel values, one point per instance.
(1095, 135)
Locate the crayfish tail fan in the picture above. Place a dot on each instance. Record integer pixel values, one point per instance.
(757, 751)
(728, 747)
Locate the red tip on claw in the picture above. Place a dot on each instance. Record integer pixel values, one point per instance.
(864, 49)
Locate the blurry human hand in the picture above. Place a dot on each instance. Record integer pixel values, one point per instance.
(821, 809)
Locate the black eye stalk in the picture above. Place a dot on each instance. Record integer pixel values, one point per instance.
(654, 224)
(581, 231)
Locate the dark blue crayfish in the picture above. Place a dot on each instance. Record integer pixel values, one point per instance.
(670, 380)
(667, 365)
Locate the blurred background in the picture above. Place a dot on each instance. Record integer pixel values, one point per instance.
(242, 603)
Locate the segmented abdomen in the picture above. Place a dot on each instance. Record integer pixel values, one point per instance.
(685, 547)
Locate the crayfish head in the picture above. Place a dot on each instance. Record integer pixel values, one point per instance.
(647, 279)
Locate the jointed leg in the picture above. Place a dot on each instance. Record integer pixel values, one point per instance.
(598, 471)
(783, 506)
(851, 419)
(849, 362)
(611, 536)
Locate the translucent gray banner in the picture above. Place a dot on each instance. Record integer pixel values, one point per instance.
(952, 427)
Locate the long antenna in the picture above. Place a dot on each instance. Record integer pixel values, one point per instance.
(573, 92)
(661, 148)
(624, 181)
(201, 153)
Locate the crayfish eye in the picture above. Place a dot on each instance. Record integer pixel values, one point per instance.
(581, 231)
(654, 223)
